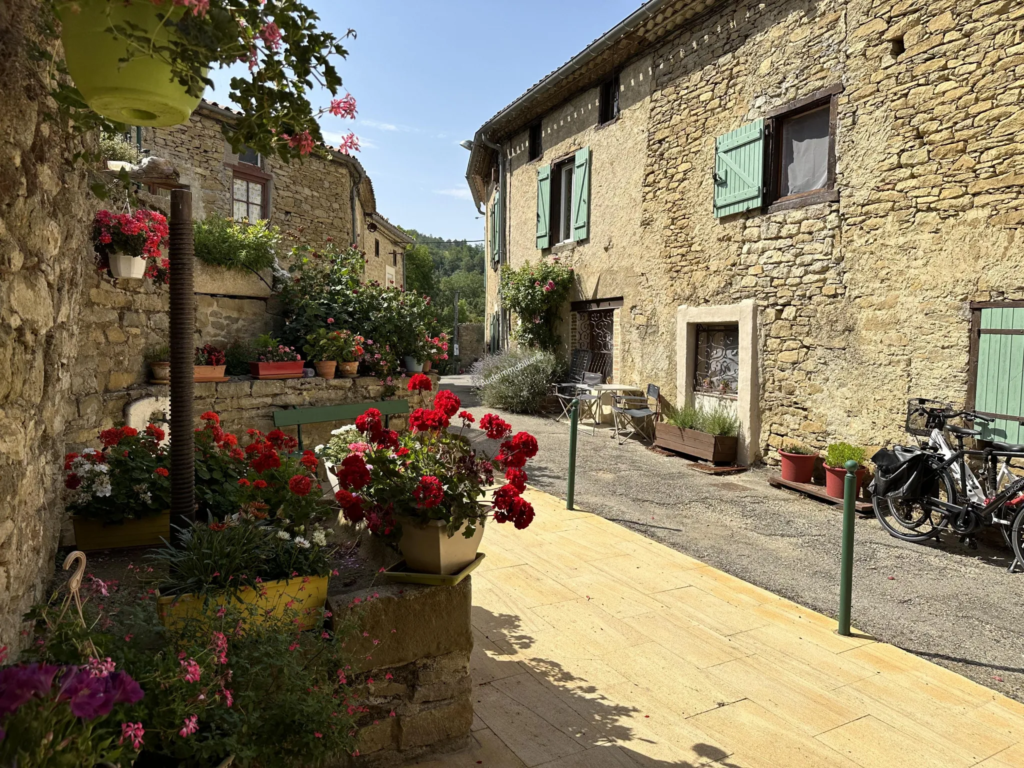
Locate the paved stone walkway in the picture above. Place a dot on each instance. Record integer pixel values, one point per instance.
(597, 647)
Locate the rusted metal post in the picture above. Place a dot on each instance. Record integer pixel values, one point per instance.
(183, 321)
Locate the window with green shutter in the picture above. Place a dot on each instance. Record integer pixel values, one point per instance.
(581, 196)
(999, 372)
(739, 170)
(544, 207)
(495, 239)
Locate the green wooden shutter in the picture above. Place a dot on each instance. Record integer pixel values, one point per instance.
(544, 207)
(581, 196)
(494, 232)
(1000, 385)
(739, 170)
(496, 225)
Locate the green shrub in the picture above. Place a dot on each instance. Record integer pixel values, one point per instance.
(799, 450)
(115, 147)
(235, 245)
(720, 421)
(517, 381)
(161, 354)
(840, 453)
(238, 356)
(536, 294)
(687, 417)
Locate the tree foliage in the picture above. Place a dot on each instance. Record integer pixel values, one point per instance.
(439, 268)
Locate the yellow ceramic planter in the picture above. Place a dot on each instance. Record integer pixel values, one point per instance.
(91, 535)
(307, 598)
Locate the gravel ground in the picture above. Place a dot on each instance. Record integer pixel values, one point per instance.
(955, 607)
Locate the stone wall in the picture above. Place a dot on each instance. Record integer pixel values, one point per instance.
(425, 643)
(471, 343)
(44, 253)
(862, 302)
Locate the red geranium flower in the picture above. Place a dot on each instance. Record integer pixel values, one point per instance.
(260, 484)
(370, 424)
(495, 427)
(309, 460)
(162, 471)
(72, 482)
(210, 418)
(467, 417)
(353, 474)
(217, 527)
(422, 420)
(244, 483)
(429, 493)
(516, 478)
(403, 451)
(420, 383)
(156, 433)
(351, 504)
(504, 496)
(521, 513)
(388, 439)
(447, 402)
(111, 437)
(525, 443)
(300, 485)
(129, 432)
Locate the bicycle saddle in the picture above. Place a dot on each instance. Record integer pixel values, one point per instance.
(1008, 447)
(963, 432)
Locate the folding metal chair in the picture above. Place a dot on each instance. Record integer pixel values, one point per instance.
(567, 391)
(634, 415)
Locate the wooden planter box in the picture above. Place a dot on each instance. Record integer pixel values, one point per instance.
(307, 597)
(289, 370)
(92, 535)
(716, 449)
(202, 373)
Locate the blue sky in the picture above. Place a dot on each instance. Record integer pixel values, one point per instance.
(428, 74)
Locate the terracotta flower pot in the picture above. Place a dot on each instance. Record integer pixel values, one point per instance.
(427, 366)
(161, 371)
(427, 548)
(797, 467)
(124, 266)
(289, 370)
(835, 481)
(208, 372)
(349, 370)
(325, 369)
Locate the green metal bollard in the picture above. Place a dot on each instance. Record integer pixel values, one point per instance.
(846, 565)
(574, 418)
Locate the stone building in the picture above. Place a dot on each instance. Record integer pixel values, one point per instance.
(806, 210)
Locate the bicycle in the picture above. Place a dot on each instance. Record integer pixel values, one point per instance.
(938, 490)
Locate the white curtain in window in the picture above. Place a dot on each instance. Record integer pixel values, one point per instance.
(805, 152)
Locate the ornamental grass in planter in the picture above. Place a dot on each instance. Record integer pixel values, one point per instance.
(120, 496)
(710, 435)
(423, 491)
(228, 685)
(835, 468)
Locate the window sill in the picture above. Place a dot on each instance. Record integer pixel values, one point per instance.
(610, 123)
(800, 201)
(568, 245)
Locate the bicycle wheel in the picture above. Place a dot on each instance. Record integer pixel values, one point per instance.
(909, 519)
(1017, 537)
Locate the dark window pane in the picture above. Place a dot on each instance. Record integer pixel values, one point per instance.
(249, 157)
(718, 359)
(805, 141)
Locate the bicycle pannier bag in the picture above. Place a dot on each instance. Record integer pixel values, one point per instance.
(897, 477)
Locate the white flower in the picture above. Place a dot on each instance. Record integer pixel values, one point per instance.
(283, 535)
(319, 538)
(102, 487)
(319, 449)
(343, 430)
(301, 542)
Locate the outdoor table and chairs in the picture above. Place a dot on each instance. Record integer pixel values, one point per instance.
(636, 414)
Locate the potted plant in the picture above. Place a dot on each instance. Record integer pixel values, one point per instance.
(710, 435)
(835, 468)
(210, 364)
(158, 359)
(334, 348)
(423, 491)
(117, 152)
(120, 496)
(147, 63)
(275, 361)
(128, 244)
(437, 351)
(797, 463)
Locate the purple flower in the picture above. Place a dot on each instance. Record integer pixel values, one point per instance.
(21, 683)
(125, 689)
(89, 697)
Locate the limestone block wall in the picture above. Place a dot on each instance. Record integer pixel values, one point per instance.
(44, 252)
(471, 343)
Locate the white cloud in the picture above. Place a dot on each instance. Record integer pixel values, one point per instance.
(383, 126)
(462, 193)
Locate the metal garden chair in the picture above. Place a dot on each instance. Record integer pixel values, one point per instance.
(567, 391)
(634, 414)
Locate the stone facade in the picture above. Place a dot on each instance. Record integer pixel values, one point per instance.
(471, 343)
(44, 253)
(861, 302)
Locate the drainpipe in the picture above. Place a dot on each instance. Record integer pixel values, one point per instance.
(355, 196)
(504, 217)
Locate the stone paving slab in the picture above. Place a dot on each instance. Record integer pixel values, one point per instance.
(599, 648)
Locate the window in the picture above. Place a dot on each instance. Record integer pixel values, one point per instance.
(785, 160)
(996, 367)
(250, 157)
(376, 247)
(718, 360)
(536, 141)
(249, 199)
(608, 104)
(561, 202)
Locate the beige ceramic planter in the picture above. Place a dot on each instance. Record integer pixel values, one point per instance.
(325, 369)
(428, 549)
(349, 370)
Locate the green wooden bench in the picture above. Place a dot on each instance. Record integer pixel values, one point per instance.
(297, 417)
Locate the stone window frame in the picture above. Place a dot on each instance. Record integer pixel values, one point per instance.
(773, 150)
(252, 173)
(748, 391)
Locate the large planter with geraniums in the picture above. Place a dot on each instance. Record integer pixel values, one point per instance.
(275, 361)
(128, 244)
(835, 469)
(119, 496)
(423, 491)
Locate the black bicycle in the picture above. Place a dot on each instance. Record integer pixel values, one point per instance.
(921, 491)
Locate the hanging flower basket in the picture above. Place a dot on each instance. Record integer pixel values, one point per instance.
(128, 244)
(141, 91)
(124, 265)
